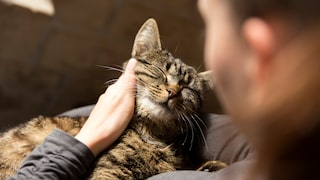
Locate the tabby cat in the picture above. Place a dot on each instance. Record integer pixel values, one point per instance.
(169, 94)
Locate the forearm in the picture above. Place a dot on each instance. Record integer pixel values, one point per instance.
(60, 156)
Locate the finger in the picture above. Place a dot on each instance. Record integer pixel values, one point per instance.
(131, 66)
(116, 86)
(129, 79)
(129, 75)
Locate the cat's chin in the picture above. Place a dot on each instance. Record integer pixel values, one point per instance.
(151, 109)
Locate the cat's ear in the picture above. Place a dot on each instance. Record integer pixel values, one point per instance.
(147, 39)
(207, 81)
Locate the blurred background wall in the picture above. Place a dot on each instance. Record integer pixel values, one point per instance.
(49, 61)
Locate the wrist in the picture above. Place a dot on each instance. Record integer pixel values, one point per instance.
(95, 142)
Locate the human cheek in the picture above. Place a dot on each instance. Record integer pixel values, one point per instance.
(208, 50)
(213, 51)
(217, 52)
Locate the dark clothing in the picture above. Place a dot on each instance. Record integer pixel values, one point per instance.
(61, 156)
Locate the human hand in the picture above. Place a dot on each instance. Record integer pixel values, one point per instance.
(112, 113)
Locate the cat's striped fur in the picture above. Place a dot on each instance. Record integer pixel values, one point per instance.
(169, 94)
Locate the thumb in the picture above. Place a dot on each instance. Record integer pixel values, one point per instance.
(131, 66)
(129, 76)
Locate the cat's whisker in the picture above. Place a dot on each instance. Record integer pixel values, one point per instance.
(187, 129)
(181, 117)
(192, 130)
(199, 67)
(110, 68)
(110, 82)
(154, 68)
(177, 47)
(181, 128)
(139, 80)
(195, 123)
(203, 138)
(200, 120)
(197, 117)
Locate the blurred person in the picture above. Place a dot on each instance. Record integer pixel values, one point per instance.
(266, 60)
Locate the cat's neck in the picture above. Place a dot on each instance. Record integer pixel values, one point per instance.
(153, 133)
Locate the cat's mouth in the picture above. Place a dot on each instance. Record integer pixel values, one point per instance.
(157, 109)
(165, 105)
(170, 104)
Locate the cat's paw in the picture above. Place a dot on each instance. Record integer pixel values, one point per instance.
(212, 166)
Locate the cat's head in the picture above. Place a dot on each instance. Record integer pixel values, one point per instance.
(168, 90)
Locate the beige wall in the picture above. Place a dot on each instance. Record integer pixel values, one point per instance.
(48, 64)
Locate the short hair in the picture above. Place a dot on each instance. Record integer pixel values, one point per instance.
(301, 11)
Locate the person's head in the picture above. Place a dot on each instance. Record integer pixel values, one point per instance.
(243, 37)
(265, 58)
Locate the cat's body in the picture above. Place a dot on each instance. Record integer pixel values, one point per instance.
(133, 158)
(169, 94)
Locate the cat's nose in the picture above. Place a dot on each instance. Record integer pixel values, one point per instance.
(172, 91)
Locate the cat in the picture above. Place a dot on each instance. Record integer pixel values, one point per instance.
(169, 94)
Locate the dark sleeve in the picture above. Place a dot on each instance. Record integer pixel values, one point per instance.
(60, 156)
(79, 112)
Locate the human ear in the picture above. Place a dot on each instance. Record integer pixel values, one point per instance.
(260, 37)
